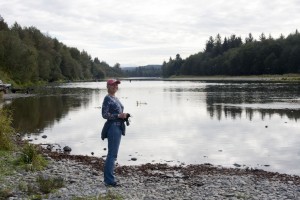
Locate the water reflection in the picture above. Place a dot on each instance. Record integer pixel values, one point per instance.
(268, 99)
(221, 123)
(31, 115)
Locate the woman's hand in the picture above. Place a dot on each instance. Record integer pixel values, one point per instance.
(122, 115)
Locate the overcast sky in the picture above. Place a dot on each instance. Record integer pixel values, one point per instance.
(138, 32)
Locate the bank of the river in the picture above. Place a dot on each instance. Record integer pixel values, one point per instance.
(10, 96)
(83, 178)
(263, 78)
(254, 78)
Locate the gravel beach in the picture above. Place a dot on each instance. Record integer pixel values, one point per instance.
(83, 178)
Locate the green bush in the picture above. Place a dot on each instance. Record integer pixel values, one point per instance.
(6, 131)
(31, 157)
(29, 152)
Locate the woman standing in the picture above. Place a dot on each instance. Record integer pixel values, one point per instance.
(114, 128)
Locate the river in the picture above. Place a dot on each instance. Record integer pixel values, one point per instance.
(232, 124)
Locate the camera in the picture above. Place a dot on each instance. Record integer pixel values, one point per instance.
(127, 119)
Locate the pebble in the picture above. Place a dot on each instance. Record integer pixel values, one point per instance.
(67, 149)
(85, 182)
(134, 159)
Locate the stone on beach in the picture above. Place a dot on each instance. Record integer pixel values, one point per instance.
(67, 149)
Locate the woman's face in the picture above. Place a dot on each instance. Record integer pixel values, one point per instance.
(112, 89)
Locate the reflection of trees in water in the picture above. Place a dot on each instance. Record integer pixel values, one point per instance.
(224, 100)
(32, 115)
(220, 111)
(291, 114)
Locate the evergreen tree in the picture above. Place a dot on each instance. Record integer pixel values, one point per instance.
(249, 38)
(209, 45)
(3, 25)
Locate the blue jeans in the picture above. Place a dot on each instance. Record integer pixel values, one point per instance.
(114, 138)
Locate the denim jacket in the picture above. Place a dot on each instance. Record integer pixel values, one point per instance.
(107, 125)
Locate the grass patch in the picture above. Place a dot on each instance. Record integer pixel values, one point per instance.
(6, 164)
(31, 158)
(48, 184)
(109, 196)
(7, 168)
(42, 187)
(5, 193)
(6, 131)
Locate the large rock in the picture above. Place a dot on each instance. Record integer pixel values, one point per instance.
(67, 149)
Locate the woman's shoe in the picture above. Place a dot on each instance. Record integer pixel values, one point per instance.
(115, 184)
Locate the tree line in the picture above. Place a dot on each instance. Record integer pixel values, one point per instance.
(143, 71)
(29, 56)
(232, 56)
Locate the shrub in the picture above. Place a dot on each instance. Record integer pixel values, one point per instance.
(6, 131)
(29, 152)
(31, 157)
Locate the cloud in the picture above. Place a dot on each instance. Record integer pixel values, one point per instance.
(137, 32)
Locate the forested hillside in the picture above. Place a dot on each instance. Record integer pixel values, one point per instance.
(232, 56)
(28, 56)
(143, 71)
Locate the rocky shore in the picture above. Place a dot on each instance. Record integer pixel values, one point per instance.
(83, 179)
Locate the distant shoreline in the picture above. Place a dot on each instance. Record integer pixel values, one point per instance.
(10, 96)
(290, 78)
(271, 78)
(263, 78)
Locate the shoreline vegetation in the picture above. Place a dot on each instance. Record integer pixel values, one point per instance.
(255, 78)
(251, 78)
(267, 78)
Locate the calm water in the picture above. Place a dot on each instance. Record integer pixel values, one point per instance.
(192, 122)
